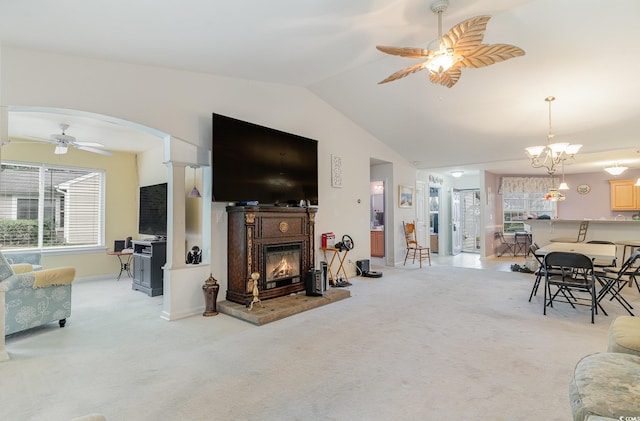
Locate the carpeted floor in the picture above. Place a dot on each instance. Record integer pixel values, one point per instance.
(438, 343)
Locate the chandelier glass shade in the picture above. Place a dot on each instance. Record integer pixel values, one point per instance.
(549, 156)
(615, 169)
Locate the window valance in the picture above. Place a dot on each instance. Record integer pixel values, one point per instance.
(527, 184)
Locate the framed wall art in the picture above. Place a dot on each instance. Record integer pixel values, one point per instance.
(583, 189)
(336, 171)
(405, 196)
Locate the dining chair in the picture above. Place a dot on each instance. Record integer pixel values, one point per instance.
(600, 263)
(575, 275)
(614, 280)
(582, 234)
(539, 272)
(413, 247)
(522, 242)
(509, 246)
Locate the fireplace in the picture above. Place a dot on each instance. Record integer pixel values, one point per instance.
(276, 242)
(281, 265)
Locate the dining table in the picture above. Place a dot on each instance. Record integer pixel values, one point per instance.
(593, 251)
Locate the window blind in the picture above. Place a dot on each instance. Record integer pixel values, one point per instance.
(44, 206)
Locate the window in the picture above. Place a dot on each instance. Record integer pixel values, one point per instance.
(45, 207)
(518, 207)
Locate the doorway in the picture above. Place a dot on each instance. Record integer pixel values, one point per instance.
(470, 220)
(376, 218)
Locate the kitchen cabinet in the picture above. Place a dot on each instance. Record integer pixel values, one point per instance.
(377, 243)
(625, 195)
(433, 243)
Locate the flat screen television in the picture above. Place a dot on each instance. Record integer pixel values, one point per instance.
(153, 210)
(257, 163)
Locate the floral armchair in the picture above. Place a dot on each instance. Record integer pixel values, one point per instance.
(35, 298)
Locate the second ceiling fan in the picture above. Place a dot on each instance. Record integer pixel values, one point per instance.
(460, 47)
(64, 141)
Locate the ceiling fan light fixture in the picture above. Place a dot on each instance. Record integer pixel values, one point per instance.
(457, 173)
(442, 61)
(446, 55)
(60, 149)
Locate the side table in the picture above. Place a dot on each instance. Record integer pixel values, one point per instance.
(125, 265)
(335, 252)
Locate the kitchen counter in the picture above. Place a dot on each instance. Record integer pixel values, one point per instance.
(543, 230)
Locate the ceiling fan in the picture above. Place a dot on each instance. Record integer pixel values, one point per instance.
(460, 47)
(64, 141)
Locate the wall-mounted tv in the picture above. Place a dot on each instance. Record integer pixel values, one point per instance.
(153, 210)
(257, 163)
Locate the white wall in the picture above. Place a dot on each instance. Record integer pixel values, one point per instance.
(180, 104)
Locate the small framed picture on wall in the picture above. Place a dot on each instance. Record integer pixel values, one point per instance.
(405, 196)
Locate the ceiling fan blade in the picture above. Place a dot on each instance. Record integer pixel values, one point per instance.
(42, 139)
(448, 78)
(487, 54)
(466, 34)
(90, 144)
(90, 149)
(404, 51)
(404, 72)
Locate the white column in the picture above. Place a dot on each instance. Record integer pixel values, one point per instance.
(176, 215)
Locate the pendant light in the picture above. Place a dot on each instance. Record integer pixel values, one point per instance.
(563, 185)
(194, 192)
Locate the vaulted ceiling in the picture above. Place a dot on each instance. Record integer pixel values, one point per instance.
(581, 51)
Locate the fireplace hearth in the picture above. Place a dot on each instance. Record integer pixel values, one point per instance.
(276, 242)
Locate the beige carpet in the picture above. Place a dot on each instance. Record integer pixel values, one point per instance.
(436, 343)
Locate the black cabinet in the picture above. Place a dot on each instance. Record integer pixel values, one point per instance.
(148, 259)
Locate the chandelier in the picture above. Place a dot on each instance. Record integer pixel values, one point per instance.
(553, 153)
(615, 169)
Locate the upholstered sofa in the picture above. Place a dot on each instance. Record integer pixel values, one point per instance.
(34, 298)
(604, 386)
(34, 258)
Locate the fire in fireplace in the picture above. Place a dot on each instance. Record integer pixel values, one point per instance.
(282, 265)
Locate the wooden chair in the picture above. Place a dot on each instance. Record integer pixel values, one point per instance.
(582, 233)
(421, 252)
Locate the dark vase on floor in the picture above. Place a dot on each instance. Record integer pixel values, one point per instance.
(210, 290)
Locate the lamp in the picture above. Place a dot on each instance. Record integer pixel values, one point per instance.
(615, 169)
(457, 173)
(554, 195)
(194, 192)
(563, 185)
(552, 154)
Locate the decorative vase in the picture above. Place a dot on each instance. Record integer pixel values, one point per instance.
(210, 290)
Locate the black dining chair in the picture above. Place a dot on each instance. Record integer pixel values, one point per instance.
(600, 263)
(614, 280)
(571, 274)
(539, 272)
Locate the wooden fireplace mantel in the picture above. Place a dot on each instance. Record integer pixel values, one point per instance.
(250, 229)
